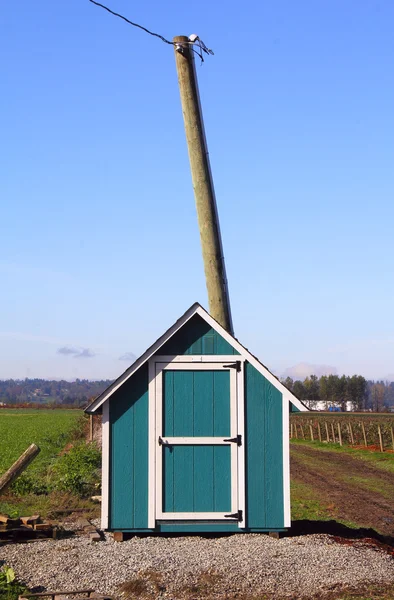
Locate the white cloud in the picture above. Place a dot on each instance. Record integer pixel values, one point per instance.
(76, 352)
(303, 370)
(129, 356)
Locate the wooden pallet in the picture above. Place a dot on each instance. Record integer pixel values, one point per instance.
(23, 528)
(66, 595)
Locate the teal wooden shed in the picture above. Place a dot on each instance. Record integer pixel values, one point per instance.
(195, 437)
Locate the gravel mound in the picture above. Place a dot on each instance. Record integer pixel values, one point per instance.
(190, 567)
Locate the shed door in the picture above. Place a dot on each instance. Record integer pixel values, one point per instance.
(197, 442)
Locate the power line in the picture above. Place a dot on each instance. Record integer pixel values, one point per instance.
(131, 22)
(196, 40)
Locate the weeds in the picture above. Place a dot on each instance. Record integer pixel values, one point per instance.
(10, 588)
(147, 584)
(78, 471)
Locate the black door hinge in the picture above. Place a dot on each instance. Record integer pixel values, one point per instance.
(236, 365)
(238, 516)
(235, 440)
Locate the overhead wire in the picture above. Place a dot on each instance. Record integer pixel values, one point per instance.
(197, 42)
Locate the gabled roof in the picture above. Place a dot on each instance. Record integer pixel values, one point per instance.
(195, 309)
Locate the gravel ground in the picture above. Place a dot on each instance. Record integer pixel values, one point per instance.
(190, 567)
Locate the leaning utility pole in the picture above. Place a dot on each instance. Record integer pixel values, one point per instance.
(208, 221)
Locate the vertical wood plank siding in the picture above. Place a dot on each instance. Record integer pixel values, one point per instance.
(189, 407)
(129, 443)
(190, 484)
(129, 453)
(197, 337)
(264, 455)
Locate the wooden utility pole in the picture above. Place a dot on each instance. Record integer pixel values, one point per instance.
(208, 221)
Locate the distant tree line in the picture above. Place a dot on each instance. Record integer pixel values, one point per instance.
(44, 391)
(337, 391)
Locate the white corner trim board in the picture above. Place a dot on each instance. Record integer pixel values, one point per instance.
(286, 460)
(105, 467)
(152, 445)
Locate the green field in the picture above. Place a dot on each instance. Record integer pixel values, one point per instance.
(49, 429)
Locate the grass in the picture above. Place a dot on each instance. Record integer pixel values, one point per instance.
(306, 506)
(372, 484)
(50, 505)
(49, 429)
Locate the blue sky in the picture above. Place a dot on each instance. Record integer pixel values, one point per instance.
(99, 245)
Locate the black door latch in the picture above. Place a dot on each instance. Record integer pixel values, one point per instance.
(235, 440)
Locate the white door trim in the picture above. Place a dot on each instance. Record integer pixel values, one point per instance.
(196, 362)
(241, 448)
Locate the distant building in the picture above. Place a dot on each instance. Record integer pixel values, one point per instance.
(322, 405)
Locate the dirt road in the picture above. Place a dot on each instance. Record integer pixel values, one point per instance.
(352, 489)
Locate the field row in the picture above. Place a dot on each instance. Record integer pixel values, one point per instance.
(375, 432)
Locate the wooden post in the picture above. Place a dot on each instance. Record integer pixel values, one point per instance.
(364, 434)
(351, 434)
(291, 431)
(302, 431)
(333, 432)
(295, 429)
(339, 433)
(211, 243)
(327, 434)
(392, 437)
(311, 430)
(19, 465)
(319, 431)
(380, 438)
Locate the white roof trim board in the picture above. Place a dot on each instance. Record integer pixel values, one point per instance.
(195, 309)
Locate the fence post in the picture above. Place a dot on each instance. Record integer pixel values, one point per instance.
(339, 433)
(351, 434)
(319, 431)
(380, 438)
(311, 430)
(291, 431)
(333, 432)
(327, 434)
(364, 434)
(392, 436)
